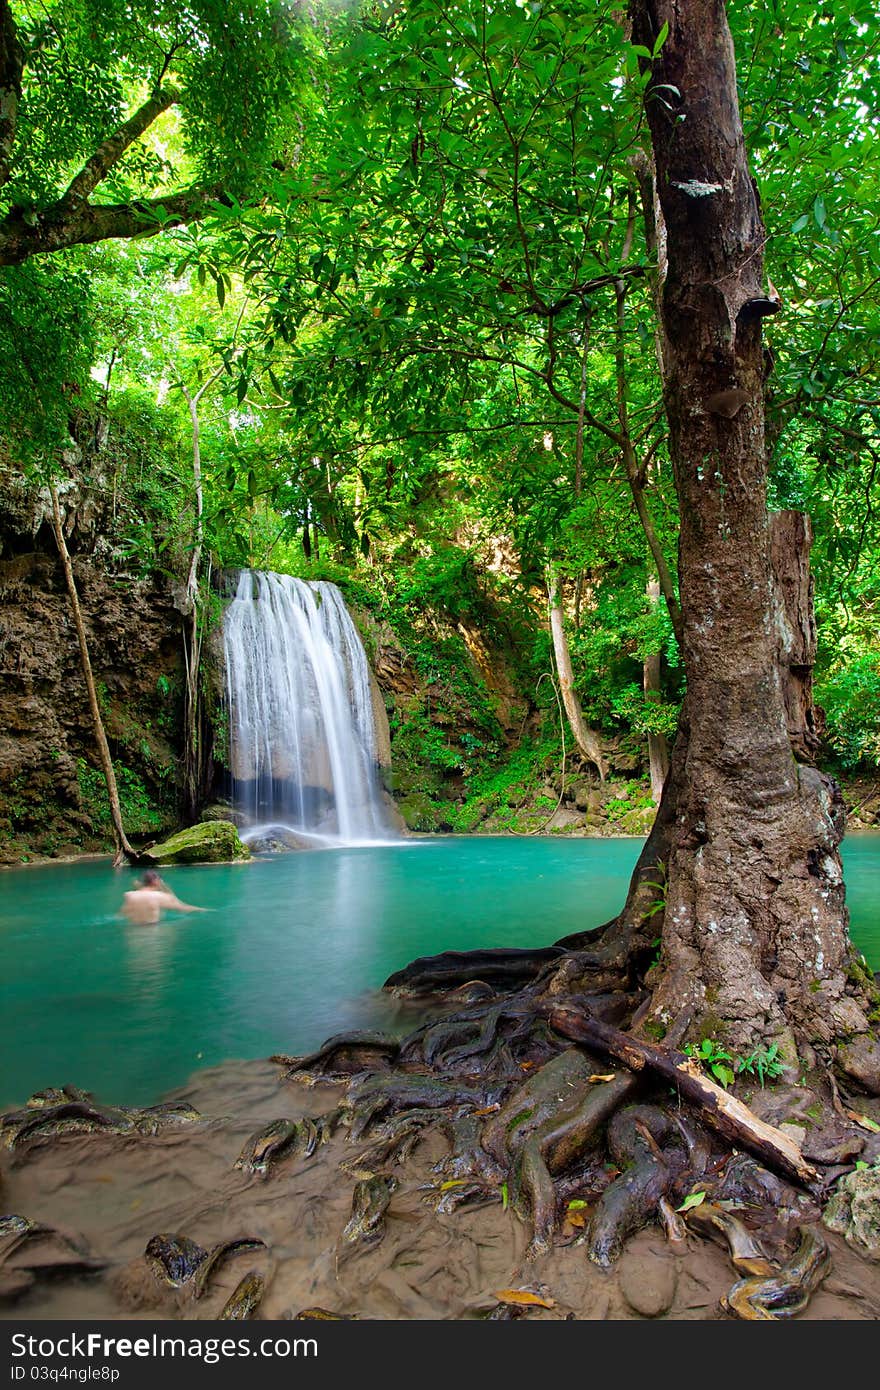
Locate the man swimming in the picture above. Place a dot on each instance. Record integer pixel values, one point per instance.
(143, 905)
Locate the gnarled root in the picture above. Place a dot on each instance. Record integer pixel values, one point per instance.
(535, 1102)
(392, 1142)
(788, 1291)
(535, 1187)
(503, 969)
(722, 1226)
(635, 1137)
(371, 1095)
(468, 1158)
(343, 1055)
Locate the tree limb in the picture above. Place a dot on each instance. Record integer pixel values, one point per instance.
(26, 233)
(113, 148)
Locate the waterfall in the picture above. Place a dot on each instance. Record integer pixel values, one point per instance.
(302, 737)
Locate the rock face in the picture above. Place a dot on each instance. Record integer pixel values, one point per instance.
(52, 796)
(854, 1210)
(860, 1059)
(209, 842)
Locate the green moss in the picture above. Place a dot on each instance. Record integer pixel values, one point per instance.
(209, 842)
(420, 812)
(858, 974)
(655, 1029)
(518, 1119)
(712, 1026)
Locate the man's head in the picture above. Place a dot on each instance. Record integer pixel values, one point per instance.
(151, 879)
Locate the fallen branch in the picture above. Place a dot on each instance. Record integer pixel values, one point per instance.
(722, 1111)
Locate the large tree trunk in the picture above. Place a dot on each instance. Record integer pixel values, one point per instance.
(755, 937)
(123, 848)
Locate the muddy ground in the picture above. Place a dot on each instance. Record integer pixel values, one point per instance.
(116, 1192)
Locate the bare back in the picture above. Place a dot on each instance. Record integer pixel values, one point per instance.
(143, 906)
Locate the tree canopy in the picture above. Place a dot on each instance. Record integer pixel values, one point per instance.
(418, 247)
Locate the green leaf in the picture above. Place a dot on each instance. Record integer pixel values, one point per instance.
(801, 222)
(660, 39)
(723, 1074)
(819, 211)
(693, 1199)
(221, 291)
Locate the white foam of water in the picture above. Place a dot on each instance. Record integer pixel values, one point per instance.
(302, 737)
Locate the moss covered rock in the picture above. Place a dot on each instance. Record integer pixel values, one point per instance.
(419, 812)
(212, 842)
(854, 1210)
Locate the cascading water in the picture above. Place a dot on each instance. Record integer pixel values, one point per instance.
(302, 735)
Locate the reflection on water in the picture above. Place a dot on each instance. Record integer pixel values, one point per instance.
(148, 951)
(295, 948)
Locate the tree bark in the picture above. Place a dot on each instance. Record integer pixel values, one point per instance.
(586, 740)
(658, 750)
(123, 848)
(755, 935)
(113, 148)
(791, 537)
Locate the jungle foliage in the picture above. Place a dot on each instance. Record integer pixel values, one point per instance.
(406, 254)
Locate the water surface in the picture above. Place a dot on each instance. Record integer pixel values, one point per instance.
(292, 949)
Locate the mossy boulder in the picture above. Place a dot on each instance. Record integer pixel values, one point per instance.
(419, 812)
(854, 1211)
(211, 842)
(638, 821)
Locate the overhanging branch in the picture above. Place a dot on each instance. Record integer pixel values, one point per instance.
(113, 148)
(26, 233)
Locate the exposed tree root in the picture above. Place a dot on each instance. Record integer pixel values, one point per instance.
(345, 1054)
(718, 1107)
(537, 1122)
(788, 1291)
(635, 1137)
(502, 968)
(722, 1226)
(578, 1126)
(392, 1142)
